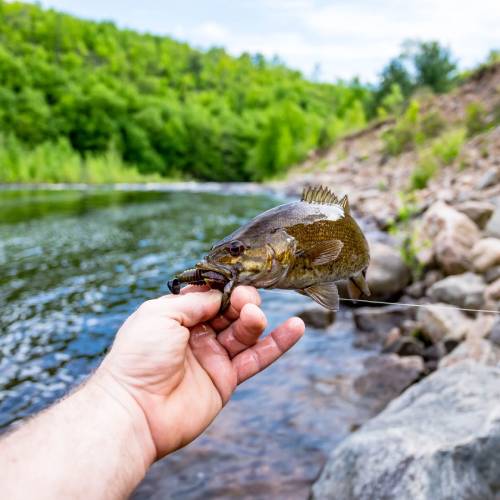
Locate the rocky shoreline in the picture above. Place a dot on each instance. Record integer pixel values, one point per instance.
(439, 362)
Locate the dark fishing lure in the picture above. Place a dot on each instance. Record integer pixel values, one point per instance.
(305, 246)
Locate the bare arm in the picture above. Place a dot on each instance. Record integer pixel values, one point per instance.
(173, 366)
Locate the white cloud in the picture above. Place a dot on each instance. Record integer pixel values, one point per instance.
(350, 38)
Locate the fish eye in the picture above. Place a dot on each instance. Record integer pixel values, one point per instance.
(236, 248)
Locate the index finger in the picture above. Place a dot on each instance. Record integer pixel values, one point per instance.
(189, 309)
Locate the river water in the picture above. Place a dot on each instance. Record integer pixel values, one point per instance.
(74, 264)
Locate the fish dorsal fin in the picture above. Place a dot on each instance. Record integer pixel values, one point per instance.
(319, 194)
(344, 203)
(325, 294)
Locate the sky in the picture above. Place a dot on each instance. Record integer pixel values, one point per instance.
(346, 38)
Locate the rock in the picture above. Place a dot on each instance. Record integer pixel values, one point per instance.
(434, 352)
(440, 440)
(493, 226)
(441, 321)
(317, 317)
(462, 290)
(492, 294)
(386, 376)
(393, 336)
(387, 274)
(432, 276)
(489, 178)
(446, 236)
(486, 254)
(416, 290)
(481, 350)
(479, 212)
(405, 346)
(381, 319)
(492, 274)
(495, 332)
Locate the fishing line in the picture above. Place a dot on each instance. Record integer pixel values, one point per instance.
(403, 304)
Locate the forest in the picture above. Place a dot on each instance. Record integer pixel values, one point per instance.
(88, 101)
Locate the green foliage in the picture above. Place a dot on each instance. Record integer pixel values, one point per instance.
(475, 118)
(392, 102)
(426, 168)
(58, 162)
(85, 88)
(443, 151)
(434, 66)
(448, 146)
(412, 129)
(405, 134)
(421, 64)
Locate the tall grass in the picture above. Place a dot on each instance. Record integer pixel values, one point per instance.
(55, 162)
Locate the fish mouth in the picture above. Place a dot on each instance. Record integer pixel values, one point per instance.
(204, 273)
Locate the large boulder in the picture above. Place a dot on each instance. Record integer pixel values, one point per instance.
(462, 290)
(440, 440)
(441, 322)
(446, 236)
(486, 254)
(387, 274)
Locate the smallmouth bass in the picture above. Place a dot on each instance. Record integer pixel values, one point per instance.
(305, 246)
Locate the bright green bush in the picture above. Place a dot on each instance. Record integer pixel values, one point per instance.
(448, 146)
(58, 162)
(405, 134)
(476, 120)
(426, 168)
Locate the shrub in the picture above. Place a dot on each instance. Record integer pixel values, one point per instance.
(426, 168)
(403, 135)
(448, 146)
(476, 120)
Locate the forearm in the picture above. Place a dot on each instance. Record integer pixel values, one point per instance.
(93, 444)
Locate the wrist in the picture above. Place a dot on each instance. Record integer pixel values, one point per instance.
(128, 413)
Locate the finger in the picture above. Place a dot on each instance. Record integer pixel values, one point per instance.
(245, 331)
(241, 295)
(194, 288)
(188, 309)
(261, 355)
(214, 360)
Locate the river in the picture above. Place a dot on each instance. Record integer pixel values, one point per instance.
(74, 264)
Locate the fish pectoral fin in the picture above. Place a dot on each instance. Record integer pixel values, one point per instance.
(325, 294)
(323, 252)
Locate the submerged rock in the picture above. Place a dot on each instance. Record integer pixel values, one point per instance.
(440, 440)
(463, 290)
(446, 236)
(387, 274)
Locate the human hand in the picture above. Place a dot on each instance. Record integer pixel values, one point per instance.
(181, 361)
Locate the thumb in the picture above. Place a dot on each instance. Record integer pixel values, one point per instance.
(192, 308)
